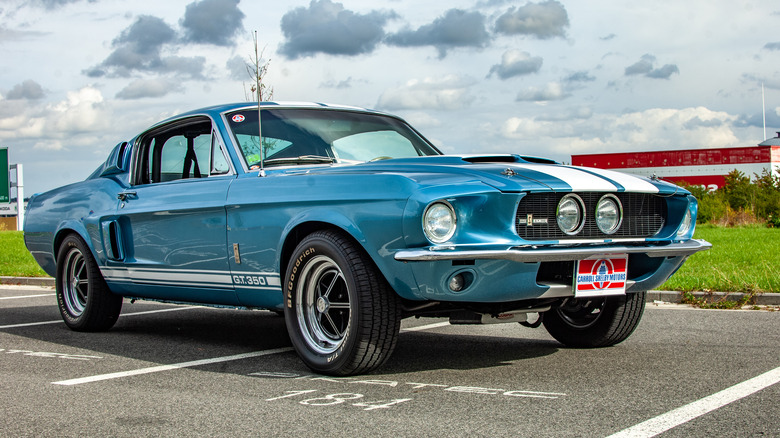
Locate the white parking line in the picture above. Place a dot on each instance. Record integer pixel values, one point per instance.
(426, 327)
(196, 363)
(26, 296)
(146, 312)
(174, 366)
(684, 414)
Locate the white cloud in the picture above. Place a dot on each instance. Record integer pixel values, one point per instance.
(449, 92)
(653, 129)
(82, 111)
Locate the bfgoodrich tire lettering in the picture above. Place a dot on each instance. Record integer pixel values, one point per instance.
(342, 316)
(595, 322)
(84, 300)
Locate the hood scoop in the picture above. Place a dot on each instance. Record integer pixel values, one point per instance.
(479, 159)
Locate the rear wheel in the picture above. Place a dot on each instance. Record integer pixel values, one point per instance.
(83, 297)
(595, 322)
(342, 316)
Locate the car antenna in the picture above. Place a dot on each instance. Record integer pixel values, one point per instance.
(259, 119)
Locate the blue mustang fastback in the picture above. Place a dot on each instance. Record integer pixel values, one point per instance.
(348, 220)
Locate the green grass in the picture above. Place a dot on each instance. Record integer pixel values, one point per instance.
(741, 260)
(745, 259)
(15, 260)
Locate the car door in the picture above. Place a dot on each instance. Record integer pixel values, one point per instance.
(172, 218)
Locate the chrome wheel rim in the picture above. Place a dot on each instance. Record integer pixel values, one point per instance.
(581, 313)
(322, 303)
(75, 287)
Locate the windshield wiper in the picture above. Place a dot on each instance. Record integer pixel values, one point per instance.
(303, 159)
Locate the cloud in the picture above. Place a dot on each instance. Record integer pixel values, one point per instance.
(579, 76)
(541, 20)
(82, 111)
(212, 22)
(444, 93)
(136, 48)
(149, 88)
(27, 90)
(456, 28)
(516, 63)
(551, 91)
(53, 4)
(641, 67)
(652, 129)
(772, 46)
(339, 85)
(326, 27)
(664, 72)
(645, 67)
(236, 67)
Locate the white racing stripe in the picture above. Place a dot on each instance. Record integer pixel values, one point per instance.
(629, 182)
(684, 414)
(578, 180)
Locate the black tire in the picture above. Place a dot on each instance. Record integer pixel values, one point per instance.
(595, 322)
(86, 304)
(341, 314)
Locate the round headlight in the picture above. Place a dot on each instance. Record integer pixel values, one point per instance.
(570, 214)
(439, 222)
(609, 214)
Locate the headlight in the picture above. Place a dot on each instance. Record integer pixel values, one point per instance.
(439, 222)
(570, 214)
(685, 226)
(609, 214)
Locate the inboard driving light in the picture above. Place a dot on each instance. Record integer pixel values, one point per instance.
(570, 214)
(609, 214)
(439, 222)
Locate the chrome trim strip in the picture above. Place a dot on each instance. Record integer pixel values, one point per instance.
(548, 254)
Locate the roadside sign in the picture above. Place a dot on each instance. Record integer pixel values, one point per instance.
(5, 180)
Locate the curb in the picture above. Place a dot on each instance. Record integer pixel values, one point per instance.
(28, 281)
(760, 299)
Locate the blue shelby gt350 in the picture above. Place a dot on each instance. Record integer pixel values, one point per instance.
(348, 220)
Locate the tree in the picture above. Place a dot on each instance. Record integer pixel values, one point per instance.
(256, 68)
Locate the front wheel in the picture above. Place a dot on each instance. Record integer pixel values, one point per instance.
(85, 302)
(595, 322)
(342, 316)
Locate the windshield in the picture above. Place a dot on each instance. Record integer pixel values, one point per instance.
(311, 136)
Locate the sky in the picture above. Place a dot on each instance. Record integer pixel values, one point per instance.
(546, 78)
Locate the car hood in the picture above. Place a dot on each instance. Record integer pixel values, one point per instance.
(512, 173)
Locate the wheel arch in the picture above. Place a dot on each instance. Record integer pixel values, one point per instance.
(66, 229)
(295, 235)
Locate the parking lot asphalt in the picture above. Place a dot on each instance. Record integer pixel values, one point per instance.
(194, 371)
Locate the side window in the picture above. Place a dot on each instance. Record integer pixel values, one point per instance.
(183, 150)
(219, 161)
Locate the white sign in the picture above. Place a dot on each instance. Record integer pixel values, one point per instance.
(8, 209)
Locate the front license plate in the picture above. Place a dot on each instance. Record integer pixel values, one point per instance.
(600, 276)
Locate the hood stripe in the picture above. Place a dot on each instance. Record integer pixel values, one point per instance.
(629, 183)
(574, 178)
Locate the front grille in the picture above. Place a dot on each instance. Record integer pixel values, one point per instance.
(643, 216)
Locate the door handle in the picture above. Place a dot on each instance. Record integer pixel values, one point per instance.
(123, 196)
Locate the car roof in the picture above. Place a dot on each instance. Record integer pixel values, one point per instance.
(215, 110)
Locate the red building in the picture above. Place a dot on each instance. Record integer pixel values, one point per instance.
(707, 167)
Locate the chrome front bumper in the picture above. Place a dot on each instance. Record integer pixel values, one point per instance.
(531, 254)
